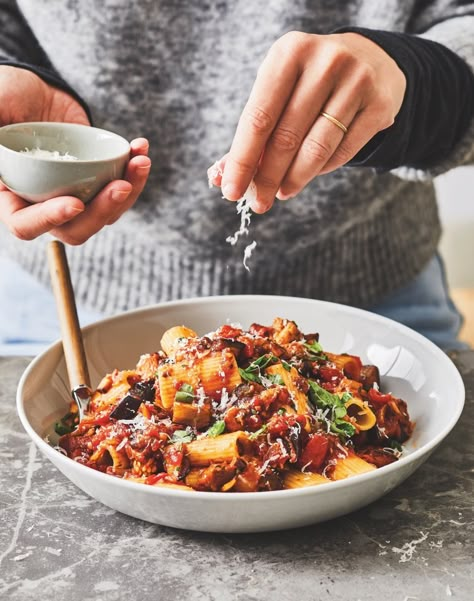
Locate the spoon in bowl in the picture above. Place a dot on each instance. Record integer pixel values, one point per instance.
(73, 344)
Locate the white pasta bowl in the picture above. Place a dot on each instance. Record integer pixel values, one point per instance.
(411, 367)
(42, 160)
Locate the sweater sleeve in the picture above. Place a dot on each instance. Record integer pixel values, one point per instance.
(434, 130)
(456, 32)
(20, 48)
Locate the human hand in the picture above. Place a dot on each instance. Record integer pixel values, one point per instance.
(26, 97)
(282, 140)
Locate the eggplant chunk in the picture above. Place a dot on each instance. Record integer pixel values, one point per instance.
(369, 374)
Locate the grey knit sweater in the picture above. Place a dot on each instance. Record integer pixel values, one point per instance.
(179, 73)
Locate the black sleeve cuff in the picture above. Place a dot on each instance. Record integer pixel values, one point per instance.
(437, 108)
(51, 78)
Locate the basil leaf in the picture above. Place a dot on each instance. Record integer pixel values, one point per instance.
(314, 347)
(62, 429)
(343, 428)
(253, 371)
(263, 361)
(286, 365)
(320, 397)
(275, 379)
(216, 429)
(66, 424)
(182, 436)
(185, 394)
(260, 431)
(249, 376)
(339, 412)
(346, 397)
(394, 444)
(323, 399)
(315, 351)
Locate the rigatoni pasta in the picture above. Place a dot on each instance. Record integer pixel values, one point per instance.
(216, 449)
(297, 479)
(210, 374)
(239, 411)
(173, 337)
(352, 465)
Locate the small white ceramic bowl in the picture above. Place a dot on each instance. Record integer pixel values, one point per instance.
(100, 156)
(410, 366)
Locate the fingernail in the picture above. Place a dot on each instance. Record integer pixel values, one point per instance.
(145, 167)
(231, 192)
(73, 212)
(119, 195)
(285, 196)
(260, 207)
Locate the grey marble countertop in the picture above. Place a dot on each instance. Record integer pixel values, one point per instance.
(415, 544)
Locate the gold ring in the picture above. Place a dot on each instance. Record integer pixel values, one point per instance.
(335, 121)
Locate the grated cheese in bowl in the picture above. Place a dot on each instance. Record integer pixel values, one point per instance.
(39, 153)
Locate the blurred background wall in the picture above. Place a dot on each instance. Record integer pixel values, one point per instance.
(456, 204)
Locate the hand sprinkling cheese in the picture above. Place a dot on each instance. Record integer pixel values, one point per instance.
(243, 209)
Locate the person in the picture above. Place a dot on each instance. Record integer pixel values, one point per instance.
(351, 108)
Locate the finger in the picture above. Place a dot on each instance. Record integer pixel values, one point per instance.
(298, 117)
(108, 206)
(137, 173)
(96, 215)
(320, 143)
(275, 81)
(139, 146)
(363, 128)
(28, 221)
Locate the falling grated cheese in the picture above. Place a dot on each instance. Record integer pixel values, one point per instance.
(247, 254)
(243, 209)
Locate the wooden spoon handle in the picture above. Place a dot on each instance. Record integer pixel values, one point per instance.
(66, 305)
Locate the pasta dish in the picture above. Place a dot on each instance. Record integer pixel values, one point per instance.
(238, 410)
